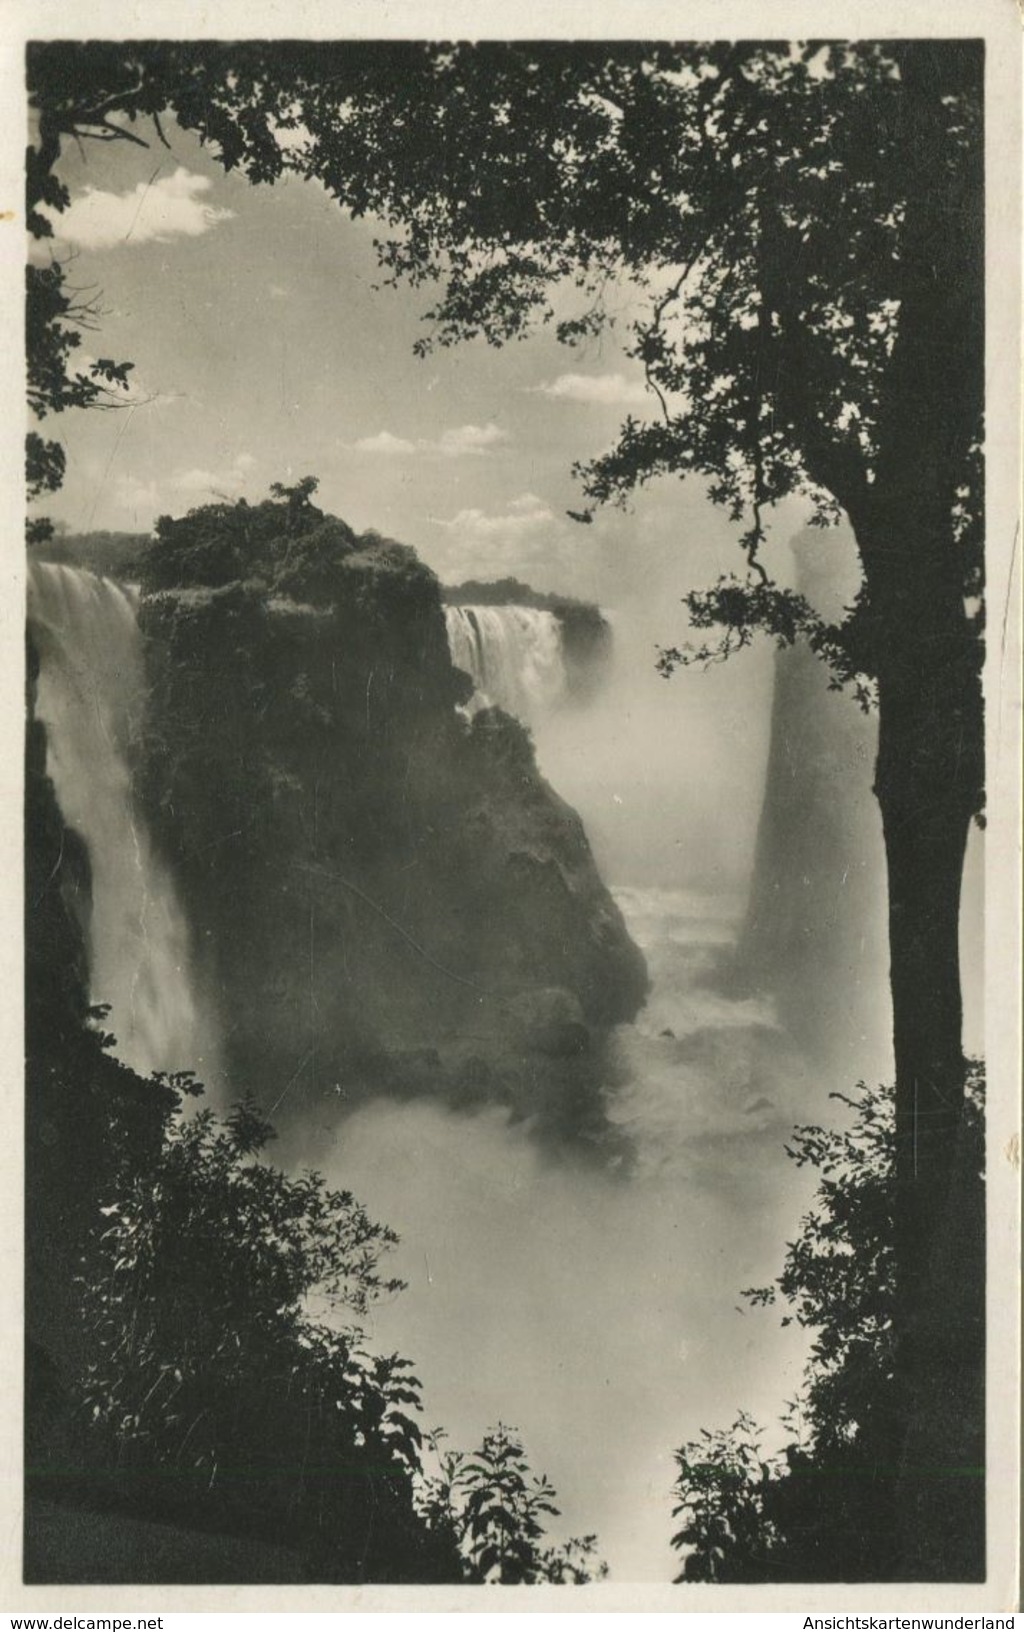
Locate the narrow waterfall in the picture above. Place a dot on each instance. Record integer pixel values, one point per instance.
(91, 699)
(513, 655)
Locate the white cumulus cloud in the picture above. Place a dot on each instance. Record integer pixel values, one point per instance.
(170, 207)
(475, 439)
(182, 488)
(524, 539)
(524, 516)
(208, 484)
(383, 443)
(606, 390)
(454, 443)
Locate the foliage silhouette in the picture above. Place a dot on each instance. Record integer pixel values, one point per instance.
(495, 1511)
(825, 1506)
(284, 543)
(227, 1379)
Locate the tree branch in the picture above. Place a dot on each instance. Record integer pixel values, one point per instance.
(97, 114)
(160, 130)
(104, 131)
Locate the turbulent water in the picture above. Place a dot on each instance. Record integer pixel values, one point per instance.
(513, 655)
(90, 697)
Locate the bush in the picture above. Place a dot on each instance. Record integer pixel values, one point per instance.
(825, 1507)
(227, 1385)
(493, 1510)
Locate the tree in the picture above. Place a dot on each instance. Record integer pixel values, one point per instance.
(281, 542)
(825, 1506)
(55, 318)
(803, 230)
(215, 1373)
(222, 1380)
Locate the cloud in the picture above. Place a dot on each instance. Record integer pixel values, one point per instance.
(229, 481)
(524, 516)
(145, 500)
(525, 539)
(156, 211)
(141, 499)
(475, 439)
(384, 444)
(606, 390)
(454, 443)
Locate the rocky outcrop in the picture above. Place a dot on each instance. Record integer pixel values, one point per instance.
(384, 895)
(814, 934)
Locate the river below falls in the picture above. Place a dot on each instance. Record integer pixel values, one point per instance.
(601, 1314)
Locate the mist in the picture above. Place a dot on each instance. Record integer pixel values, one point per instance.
(666, 773)
(596, 1304)
(596, 1315)
(600, 1311)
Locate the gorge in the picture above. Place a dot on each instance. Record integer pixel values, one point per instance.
(375, 913)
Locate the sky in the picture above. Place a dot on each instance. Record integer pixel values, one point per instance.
(264, 350)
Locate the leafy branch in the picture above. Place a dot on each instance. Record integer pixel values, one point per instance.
(494, 1509)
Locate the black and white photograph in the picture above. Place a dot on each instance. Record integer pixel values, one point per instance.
(516, 669)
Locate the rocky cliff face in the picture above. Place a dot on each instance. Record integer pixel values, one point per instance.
(814, 936)
(384, 896)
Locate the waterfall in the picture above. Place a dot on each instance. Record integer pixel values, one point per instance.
(90, 697)
(513, 655)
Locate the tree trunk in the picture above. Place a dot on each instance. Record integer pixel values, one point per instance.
(919, 564)
(928, 782)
